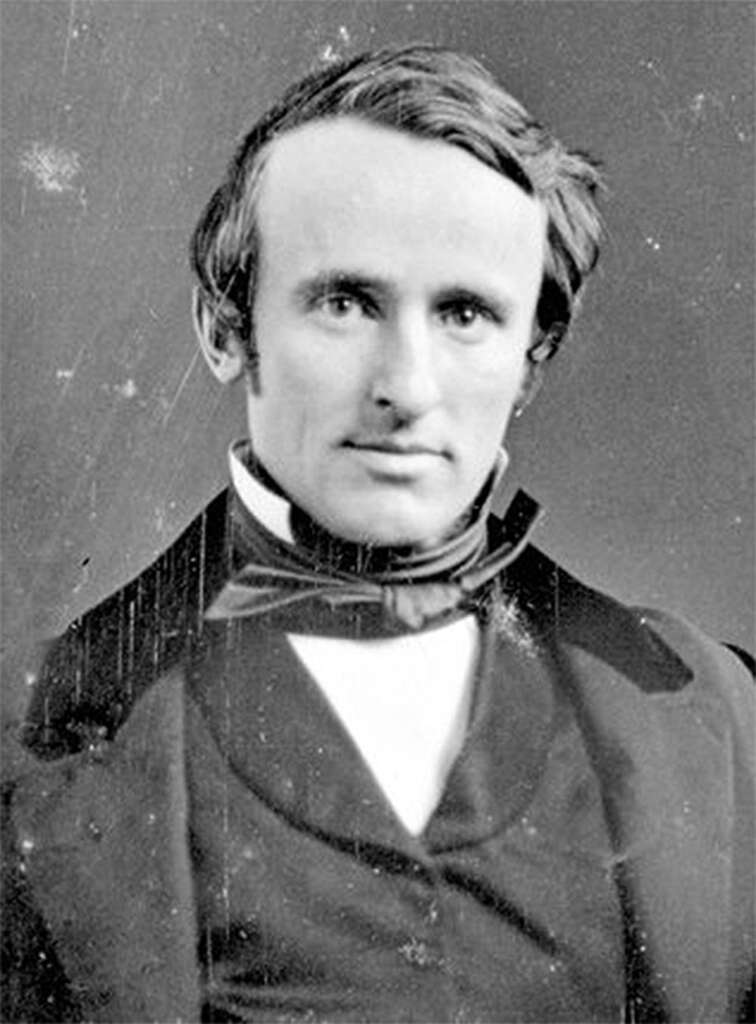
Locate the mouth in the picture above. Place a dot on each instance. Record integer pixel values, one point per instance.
(389, 446)
(388, 461)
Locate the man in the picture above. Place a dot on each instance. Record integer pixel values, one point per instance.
(351, 749)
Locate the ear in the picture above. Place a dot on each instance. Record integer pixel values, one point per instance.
(542, 348)
(545, 343)
(222, 350)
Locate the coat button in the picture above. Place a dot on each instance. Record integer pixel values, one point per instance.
(94, 830)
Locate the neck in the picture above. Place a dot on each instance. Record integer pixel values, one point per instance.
(259, 495)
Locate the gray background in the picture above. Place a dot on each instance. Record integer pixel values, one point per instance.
(117, 120)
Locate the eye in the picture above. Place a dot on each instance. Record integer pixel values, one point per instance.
(463, 314)
(467, 315)
(338, 305)
(344, 306)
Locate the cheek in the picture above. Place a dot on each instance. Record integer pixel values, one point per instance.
(306, 393)
(490, 427)
(489, 398)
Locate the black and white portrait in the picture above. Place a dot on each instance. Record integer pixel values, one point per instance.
(377, 509)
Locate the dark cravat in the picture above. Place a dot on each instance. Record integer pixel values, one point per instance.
(413, 587)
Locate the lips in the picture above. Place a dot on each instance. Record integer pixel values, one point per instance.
(391, 446)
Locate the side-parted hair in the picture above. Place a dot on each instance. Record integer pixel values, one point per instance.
(430, 93)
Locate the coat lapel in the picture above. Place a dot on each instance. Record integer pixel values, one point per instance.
(104, 837)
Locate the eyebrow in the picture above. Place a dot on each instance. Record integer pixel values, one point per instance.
(357, 282)
(341, 280)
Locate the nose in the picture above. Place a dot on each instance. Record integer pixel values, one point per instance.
(405, 377)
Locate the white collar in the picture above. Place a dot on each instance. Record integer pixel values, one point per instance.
(270, 509)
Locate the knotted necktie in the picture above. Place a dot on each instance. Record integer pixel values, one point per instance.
(413, 587)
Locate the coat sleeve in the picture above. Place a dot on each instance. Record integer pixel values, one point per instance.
(33, 986)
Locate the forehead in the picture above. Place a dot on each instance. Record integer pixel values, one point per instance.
(349, 189)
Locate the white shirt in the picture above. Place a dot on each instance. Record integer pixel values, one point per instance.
(404, 701)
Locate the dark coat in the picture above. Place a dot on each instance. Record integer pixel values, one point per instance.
(100, 919)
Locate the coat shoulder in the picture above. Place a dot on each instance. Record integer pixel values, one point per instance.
(719, 671)
(658, 651)
(94, 672)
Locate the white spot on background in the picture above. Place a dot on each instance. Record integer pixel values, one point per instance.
(126, 390)
(52, 168)
(697, 104)
(328, 54)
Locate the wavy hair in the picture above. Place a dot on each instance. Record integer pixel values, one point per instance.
(430, 93)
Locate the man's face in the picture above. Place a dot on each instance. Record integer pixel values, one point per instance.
(394, 309)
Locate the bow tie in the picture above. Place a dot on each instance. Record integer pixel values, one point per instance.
(413, 589)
